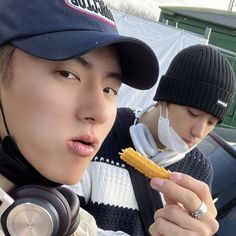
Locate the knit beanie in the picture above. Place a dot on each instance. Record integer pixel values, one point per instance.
(200, 77)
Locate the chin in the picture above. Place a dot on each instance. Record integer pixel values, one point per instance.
(68, 180)
(72, 180)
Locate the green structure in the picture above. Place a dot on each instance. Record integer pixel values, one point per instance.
(217, 25)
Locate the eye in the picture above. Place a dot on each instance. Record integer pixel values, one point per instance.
(194, 114)
(67, 74)
(212, 123)
(110, 91)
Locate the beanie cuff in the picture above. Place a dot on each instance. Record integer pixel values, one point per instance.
(191, 93)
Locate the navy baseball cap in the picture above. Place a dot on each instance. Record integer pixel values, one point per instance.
(63, 29)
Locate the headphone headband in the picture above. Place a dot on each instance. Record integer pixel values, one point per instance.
(144, 142)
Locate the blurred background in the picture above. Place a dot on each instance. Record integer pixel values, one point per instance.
(168, 26)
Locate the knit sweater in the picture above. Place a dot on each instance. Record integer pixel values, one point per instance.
(106, 190)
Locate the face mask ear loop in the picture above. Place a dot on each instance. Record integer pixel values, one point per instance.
(159, 118)
(167, 115)
(160, 110)
(4, 119)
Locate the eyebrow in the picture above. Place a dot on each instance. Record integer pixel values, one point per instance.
(88, 65)
(84, 62)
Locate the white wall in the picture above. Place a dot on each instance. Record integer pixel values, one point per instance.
(166, 41)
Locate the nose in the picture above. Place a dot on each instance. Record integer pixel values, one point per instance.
(199, 129)
(95, 108)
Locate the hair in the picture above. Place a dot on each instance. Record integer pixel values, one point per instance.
(6, 52)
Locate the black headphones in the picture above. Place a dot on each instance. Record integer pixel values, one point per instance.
(41, 210)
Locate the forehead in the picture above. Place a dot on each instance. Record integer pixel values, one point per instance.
(202, 113)
(192, 109)
(107, 51)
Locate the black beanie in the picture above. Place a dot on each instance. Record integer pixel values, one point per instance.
(200, 77)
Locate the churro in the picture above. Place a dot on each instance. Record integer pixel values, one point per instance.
(144, 165)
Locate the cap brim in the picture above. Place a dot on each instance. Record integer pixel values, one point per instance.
(139, 64)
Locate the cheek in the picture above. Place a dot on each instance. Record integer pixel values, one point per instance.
(208, 130)
(36, 115)
(179, 123)
(107, 126)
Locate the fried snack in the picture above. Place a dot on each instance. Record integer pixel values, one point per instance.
(144, 165)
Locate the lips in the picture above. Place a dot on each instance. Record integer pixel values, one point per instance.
(190, 143)
(85, 147)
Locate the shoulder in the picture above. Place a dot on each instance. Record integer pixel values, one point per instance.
(124, 110)
(196, 165)
(124, 114)
(118, 137)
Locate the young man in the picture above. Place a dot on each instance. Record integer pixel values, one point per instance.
(61, 65)
(192, 97)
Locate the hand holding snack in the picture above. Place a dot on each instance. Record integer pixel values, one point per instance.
(190, 209)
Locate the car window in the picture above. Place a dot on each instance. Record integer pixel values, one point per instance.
(223, 159)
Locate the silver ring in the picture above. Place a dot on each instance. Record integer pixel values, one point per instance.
(200, 211)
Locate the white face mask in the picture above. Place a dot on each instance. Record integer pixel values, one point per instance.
(168, 137)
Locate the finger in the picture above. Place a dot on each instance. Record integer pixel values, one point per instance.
(169, 201)
(163, 227)
(178, 216)
(177, 193)
(200, 188)
(197, 186)
(181, 188)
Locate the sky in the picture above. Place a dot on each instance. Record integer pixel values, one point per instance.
(150, 8)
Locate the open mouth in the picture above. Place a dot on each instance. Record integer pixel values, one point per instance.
(190, 143)
(83, 142)
(90, 144)
(85, 147)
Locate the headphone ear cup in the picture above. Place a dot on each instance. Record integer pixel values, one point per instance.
(135, 139)
(143, 140)
(74, 204)
(19, 216)
(48, 197)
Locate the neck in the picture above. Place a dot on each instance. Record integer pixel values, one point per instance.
(16, 168)
(6, 184)
(150, 119)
